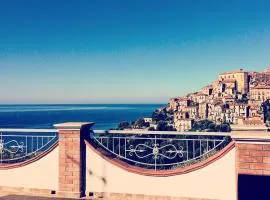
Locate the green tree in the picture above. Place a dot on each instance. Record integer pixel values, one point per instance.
(159, 116)
(218, 127)
(204, 124)
(196, 126)
(207, 125)
(140, 123)
(225, 127)
(163, 126)
(151, 129)
(123, 125)
(244, 99)
(212, 127)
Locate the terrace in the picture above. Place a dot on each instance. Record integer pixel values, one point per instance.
(75, 161)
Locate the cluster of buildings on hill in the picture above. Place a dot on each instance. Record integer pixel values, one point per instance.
(235, 97)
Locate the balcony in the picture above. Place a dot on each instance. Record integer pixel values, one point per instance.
(75, 161)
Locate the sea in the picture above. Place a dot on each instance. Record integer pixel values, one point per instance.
(105, 116)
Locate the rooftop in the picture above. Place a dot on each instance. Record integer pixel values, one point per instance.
(261, 87)
(233, 72)
(228, 81)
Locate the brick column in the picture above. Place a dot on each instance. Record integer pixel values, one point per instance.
(72, 157)
(252, 152)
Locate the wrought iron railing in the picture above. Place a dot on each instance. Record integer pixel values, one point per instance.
(160, 150)
(148, 149)
(18, 145)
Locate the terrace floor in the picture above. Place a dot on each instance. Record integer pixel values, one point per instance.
(11, 196)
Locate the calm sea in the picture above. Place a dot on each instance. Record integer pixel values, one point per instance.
(44, 116)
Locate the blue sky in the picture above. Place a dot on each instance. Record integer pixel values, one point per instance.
(125, 51)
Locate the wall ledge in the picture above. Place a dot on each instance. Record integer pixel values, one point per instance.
(251, 136)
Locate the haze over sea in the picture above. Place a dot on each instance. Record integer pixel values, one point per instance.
(105, 116)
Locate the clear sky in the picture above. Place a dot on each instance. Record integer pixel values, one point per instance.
(139, 51)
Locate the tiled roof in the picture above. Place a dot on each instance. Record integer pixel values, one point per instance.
(208, 86)
(242, 104)
(253, 122)
(228, 97)
(229, 81)
(232, 72)
(261, 87)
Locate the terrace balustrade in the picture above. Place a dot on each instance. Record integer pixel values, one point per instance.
(159, 150)
(74, 158)
(147, 149)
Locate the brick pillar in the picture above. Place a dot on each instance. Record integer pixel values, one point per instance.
(72, 157)
(252, 152)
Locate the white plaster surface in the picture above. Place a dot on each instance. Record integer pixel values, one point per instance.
(215, 181)
(41, 174)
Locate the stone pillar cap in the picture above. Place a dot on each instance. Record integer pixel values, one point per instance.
(73, 125)
(250, 136)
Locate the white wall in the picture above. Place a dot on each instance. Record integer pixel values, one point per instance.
(41, 174)
(215, 181)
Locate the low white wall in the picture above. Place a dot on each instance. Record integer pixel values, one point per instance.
(216, 181)
(41, 174)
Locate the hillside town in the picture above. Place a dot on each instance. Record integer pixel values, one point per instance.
(235, 98)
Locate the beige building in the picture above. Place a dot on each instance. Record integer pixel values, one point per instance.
(207, 90)
(257, 78)
(256, 111)
(203, 111)
(260, 93)
(228, 99)
(216, 112)
(148, 120)
(176, 103)
(173, 103)
(200, 97)
(218, 102)
(241, 77)
(183, 124)
(228, 86)
(256, 121)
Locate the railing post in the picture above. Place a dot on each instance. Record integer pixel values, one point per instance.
(72, 156)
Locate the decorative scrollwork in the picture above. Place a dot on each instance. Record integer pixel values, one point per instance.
(12, 146)
(1, 146)
(159, 152)
(16, 147)
(156, 151)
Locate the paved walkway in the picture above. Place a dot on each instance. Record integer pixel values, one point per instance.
(9, 196)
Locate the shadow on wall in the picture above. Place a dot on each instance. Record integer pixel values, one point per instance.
(90, 172)
(253, 187)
